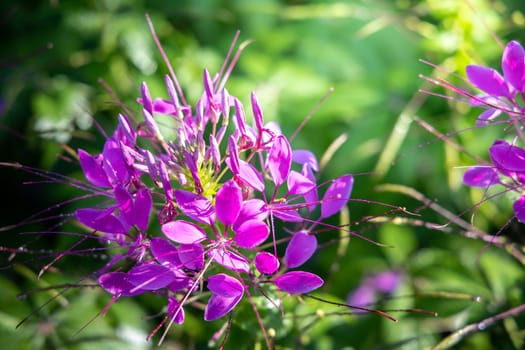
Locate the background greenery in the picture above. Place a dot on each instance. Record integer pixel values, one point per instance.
(55, 52)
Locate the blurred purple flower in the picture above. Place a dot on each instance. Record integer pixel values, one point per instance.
(372, 287)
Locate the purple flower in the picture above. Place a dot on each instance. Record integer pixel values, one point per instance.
(507, 169)
(500, 94)
(221, 195)
(372, 286)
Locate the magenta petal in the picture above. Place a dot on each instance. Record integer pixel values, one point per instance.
(165, 253)
(513, 65)
(302, 156)
(251, 209)
(311, 197)
(150, 276)
(146, 97)
(219, 306)
(92, 168)
(488, 80)
(100, 220)
(279, 160)
(487, 116)
(116, 283)
(142, 208)
(519, 209)
(363, 296)
(225, 285)
(229, 260)
(507, 158)
(480, 176)
(257, 113)
(125, 204)
(299, 184)
(285, 213)
(233, 159)
(175, 310)
(114, 162)
(163, 106)
(337, 195)
(192, 256)
(386, 282)
(250, 176)
(127, 130)
(197, 207)
(228, 202)
(183, 232)
(300, 248)
(298, 282)
(227, 292)
(266, 263)
(251, 233)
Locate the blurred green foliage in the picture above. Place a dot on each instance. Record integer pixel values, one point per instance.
(56, 54)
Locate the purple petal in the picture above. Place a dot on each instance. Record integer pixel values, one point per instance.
(257, 113)
(142, 208)
(115, 163)
(150, 276)
(181, 282)
(229, 260)
(513, 65)
(127, 130)
(337, 195)
(250, 176)
(146, 98)
(286, 213)
(299, 184)
(163, 106)
(228, 202)
(266, 263)
(197, 207)
(303, 156)
(227, 292)
(192, 256)
(519, 209)
(252, 209)
(386, 282)
(507, 158)
(116, 283)
(166, 183)
(92, 168)
(487, 116)
(183, 232)
(175, 310)
(125, 203)
(225, 285)
(298, 282)
(488, 80)
(279, 160)
(363, 296)
(300, 248)
(251, 233)
(100, 220)
(240, 118)
(481, 176)
(165, 253)
(219, 306)
(233, 159)
(311, 197)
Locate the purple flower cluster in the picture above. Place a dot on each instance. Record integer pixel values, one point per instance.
(507, 169)
(502, 94)
(220, 189)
